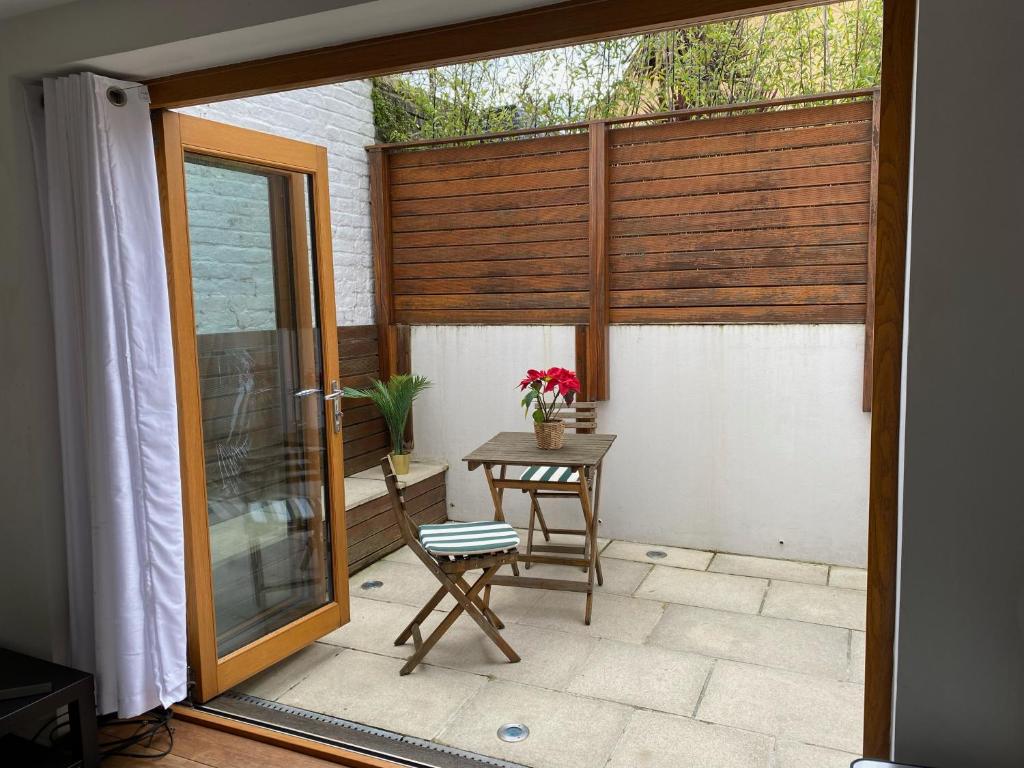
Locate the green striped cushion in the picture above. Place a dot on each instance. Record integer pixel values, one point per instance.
(454, 539)
(551, 475)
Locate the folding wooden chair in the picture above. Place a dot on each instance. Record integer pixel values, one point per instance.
(449, 551)
(582, 419)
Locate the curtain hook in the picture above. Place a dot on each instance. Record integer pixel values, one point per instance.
(117, 96)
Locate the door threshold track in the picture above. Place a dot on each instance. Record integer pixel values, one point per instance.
(336, 731)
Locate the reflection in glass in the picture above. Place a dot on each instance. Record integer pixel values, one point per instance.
(261, 381)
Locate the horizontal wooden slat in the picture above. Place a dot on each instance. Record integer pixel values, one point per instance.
(570, 266)
(493, 316)
(388, 540)
(363, 429)
(501, 251)
(719, 297)
(488, 235)
(762, 276)
(541, 180)
(742, 201)
(521, 284)
(561, 299)
(474, 169)
(852, 233)
(488, 150)
(760, 141)
(772, 218)
(549, 214)
(752, 121)
(741, 163)
(832, 313)
(741, 257)
(499, 201)
(367, 364)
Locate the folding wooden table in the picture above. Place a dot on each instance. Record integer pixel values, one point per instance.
(582, 452)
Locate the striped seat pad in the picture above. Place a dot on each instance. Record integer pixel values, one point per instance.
(551, 475)
(457, 539)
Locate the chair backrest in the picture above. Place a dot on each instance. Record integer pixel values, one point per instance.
(580, 417)
(407, 527)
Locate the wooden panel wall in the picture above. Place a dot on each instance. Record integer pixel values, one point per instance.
(491, 233)
(363, 429)
(755, 218)
(372, 528)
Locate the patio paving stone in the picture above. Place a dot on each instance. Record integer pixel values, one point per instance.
(273, 683)
(792, 754)
(847, 578)
(550, 659)
(857, 657)
(794, 645)
(769, 568)
(741, 594)
(676, 557)
(621, 577)
(408, 584)
(818, 605)
(805, 708)
(645, 676)
(367, 688)
(614, 617)
(565, 730)
(655, 740)
(374, 625)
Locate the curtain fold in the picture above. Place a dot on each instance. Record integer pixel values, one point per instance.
(116, 387)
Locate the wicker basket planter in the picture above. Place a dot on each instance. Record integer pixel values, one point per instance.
(550, 434)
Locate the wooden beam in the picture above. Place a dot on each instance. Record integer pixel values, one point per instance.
(581, 357)
(869, 309)
(899, 25)
(533, 29)
(597, 331)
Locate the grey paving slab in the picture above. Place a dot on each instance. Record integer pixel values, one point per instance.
(794, 645)
(677, 557)
(725, 592)
(645, 676)
(789, 705)
(770, 568)
(818, 605)
(565, 730)
(656, 740)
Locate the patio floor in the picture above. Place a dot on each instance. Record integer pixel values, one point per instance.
(694, 659)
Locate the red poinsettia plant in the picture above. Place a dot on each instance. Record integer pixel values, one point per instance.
(562, 386)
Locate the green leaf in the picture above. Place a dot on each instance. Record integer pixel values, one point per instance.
(538, 416)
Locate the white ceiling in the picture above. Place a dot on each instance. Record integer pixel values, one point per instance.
(11, 8)
(358, 20)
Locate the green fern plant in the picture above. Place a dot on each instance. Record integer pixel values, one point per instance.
(394, 401)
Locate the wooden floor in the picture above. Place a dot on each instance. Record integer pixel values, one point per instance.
(199, 747)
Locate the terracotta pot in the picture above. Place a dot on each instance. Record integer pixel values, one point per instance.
(400, 463)
(550, 434)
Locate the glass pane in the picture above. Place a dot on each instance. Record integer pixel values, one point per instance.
(261, 383)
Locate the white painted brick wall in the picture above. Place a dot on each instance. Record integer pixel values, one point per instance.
(339, 117)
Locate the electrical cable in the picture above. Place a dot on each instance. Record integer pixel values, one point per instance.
(147, 728)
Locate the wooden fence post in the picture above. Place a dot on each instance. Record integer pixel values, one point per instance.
(597, 331)
(384, 305)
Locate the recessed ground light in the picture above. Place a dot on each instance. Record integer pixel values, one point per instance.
(373, 584)
(656, 554)
(513, 732)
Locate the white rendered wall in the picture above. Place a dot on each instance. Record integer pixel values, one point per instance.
(340, 118)
(731, 438)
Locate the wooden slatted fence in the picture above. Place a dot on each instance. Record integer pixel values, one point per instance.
(756, 214)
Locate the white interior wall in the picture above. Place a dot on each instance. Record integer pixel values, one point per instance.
(739, 438)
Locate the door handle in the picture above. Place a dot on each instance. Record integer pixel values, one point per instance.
(334, 398)
(307, 392)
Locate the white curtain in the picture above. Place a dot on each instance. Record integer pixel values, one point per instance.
(118, 416)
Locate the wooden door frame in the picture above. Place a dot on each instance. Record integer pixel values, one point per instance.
(176, 134)
(582, 20)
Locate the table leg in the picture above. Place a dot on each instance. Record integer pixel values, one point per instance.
(599, 469)
(591, 521)
(82, 721)
(496, 496)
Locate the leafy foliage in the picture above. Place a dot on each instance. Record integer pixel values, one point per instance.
(793, 53)
(394, 401)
